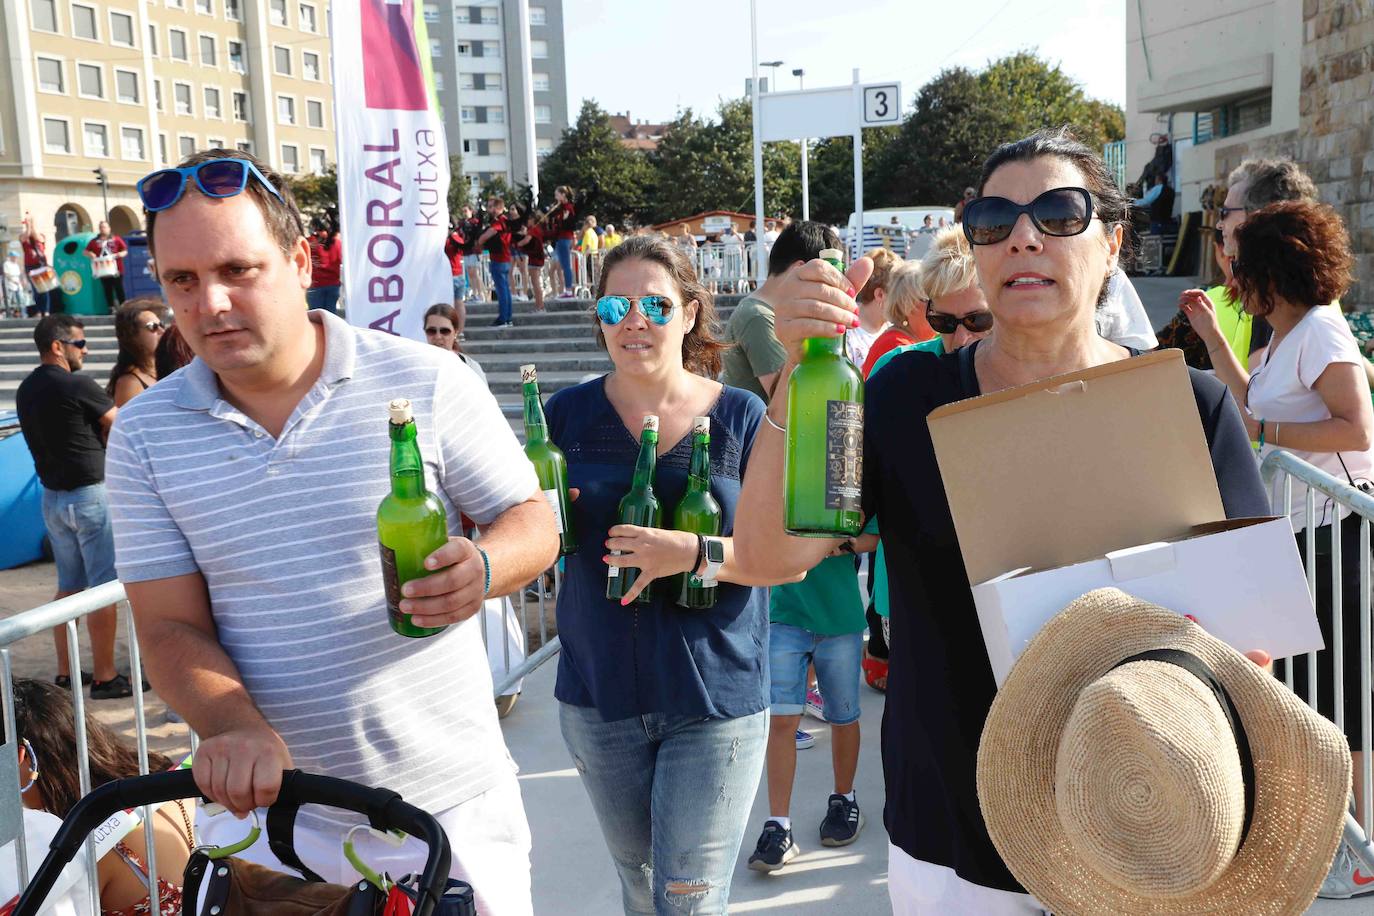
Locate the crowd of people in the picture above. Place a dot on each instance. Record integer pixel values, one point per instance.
(671, 717)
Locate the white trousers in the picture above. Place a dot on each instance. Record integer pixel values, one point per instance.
(488, 835)
(919, 888)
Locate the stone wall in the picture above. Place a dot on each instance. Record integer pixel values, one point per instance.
(1336, 110)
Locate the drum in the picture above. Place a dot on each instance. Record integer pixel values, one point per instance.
(105, 266)
(44, 279)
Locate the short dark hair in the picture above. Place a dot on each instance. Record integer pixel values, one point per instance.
(1295, 249)
(283, 217)
(803, 240)
(53, 328)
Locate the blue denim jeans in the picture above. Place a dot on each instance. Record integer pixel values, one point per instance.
(500, 278)
(78, 523)
(563, 248)
(323, 297)
(672, 794)
(838, 661)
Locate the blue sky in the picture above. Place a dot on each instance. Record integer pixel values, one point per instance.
(652, 57)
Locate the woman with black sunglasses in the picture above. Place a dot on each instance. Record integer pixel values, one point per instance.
(663, 709)
(1047, 232)
(138, 328)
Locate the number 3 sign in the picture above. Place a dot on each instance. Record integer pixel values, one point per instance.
(882, 104)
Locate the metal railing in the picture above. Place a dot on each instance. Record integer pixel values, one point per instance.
(1288, 467)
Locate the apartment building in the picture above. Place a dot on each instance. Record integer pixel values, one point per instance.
(132, 85)
(480, 80)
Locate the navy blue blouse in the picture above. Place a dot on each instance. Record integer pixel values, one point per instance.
(642, 659)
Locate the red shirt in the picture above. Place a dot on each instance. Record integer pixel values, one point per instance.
(112, 245)
(34, 253)
(533, 247)
(890, 339)
(453, 250)
(498, 246)
(563, 218)
(326, 259)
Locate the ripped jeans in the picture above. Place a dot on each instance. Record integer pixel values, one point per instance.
(673, 795)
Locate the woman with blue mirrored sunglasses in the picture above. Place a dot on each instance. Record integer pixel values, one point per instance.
(657, 309)
(214, 177)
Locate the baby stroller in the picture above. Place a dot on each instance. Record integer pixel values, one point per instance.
(216, 883)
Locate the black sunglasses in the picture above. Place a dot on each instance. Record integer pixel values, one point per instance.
(79, 344)
(942, 323)
(1061, 212)
(1223, 212)
(443, 332)
(153, 326)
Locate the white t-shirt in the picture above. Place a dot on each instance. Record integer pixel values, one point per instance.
(857, 342)
(1281, 390)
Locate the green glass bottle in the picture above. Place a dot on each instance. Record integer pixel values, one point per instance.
(549, 464)
(639, 507)
(411, 522)
(699, 513)
(825, 424)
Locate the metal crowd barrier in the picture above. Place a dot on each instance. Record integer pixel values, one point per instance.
(725, 268)
(67, 612)
(1285, 466)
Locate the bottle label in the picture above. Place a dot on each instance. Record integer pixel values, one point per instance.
(844, 454)
(391, 582)
(613, 572)
(551, 496)
(695, 581)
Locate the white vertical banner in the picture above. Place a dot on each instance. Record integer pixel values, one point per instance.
(393, 166)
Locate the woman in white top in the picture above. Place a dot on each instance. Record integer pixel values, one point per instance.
(1308, 394)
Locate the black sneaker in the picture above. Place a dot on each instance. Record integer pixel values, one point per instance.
(113, 689)
(843, 821)
(775, 848)
(65, 681)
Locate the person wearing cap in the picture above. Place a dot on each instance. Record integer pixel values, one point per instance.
(1046, 233)
(244, 493)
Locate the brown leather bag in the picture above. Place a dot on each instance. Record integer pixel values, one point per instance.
(236, 886)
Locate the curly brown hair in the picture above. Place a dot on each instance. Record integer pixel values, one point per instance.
(700, 348)
(1295, 250)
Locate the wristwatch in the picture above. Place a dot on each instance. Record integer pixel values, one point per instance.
(715, 559)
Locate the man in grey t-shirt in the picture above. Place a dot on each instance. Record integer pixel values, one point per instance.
(756, 358)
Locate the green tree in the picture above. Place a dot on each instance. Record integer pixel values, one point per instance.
(497, 186)
(317, 195)
(611, 180)
(457, 185)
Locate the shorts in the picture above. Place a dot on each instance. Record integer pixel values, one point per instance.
(78, 523)
(472, 262)
(837, 660)
(460, 285)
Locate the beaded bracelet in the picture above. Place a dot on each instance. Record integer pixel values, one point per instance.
(486, 572)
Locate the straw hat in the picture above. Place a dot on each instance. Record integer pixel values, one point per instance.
(1112, 784)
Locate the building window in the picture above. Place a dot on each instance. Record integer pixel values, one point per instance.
(84, 22)
(162, 148)
(539, 15)
(157, 94)
(290, 159)
(490, 16)
(496, 147)
(496, 114)
(121, 29)
(460, 15)
(543, 145)
(96, 139)
(57, 136)
(431, 13)
(438, 81)
(540, 81)
(186, 145)
(205, 7)
(126, 87)
(310, 65)
(467, 114)
(281, 60)
(131, 143)
(240, 106)
(176, 44)
(152, 39)
(466, 81)
(491, 49)
(464, 49)
(177, 4)
(436, 48)
(208, 54)
(539, 49)
(491, 81)
(308, 23)
(212, 109)
(236, 57)
(245, 145)
(233, 10)
(51, 75)
(44, 15)
(286, 109)
(314, 112)
(317, 160)
(1232, 118)
(181, 97)
(90, 81)
(543, 114)
(278, 12)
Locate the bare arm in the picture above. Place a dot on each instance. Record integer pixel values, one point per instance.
(1344, 389)
(126, 386)
(768, 382)
(240, 758)
(1202, 314)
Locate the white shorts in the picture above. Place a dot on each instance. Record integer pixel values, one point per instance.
(488, 835)
(919, 888)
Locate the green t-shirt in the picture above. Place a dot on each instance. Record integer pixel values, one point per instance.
(827, 602)
(756, 349)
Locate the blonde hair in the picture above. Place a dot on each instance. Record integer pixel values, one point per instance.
(884, 260)
(948, 267)
(904, 292)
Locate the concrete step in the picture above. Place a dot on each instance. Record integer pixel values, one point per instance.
(546, 362)
(535, 346)
(508, 383)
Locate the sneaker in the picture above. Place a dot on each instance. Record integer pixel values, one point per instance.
(1352, 874)
(498, 323)
(775, 848)
(815, 704)
(805, 740)
(843, 821)
(115, 688)
(65, 680)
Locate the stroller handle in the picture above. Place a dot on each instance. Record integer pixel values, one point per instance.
(384, 808)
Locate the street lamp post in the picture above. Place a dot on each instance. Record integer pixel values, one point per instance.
(772, 65)
(104, 182)
(805, 145)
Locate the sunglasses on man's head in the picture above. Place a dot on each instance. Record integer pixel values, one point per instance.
(215, 177)
(613, 309)
(1061, 212)
(943, 323)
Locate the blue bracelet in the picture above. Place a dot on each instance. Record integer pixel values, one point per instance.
(486, 572)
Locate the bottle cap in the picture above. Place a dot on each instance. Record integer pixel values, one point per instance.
(701, 426)
(832, 254)
(651, 422)
(527, 374)
(400, 412)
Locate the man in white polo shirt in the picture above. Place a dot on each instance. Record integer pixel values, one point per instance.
(244, 491)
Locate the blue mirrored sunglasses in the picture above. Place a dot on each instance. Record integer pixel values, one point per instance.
(214, 177)
(613, 309)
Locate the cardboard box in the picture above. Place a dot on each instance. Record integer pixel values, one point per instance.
(1103, 478)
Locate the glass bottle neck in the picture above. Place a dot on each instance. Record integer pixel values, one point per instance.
(536, 429)
(644, 465)
(700, 473)
(407, 469)
(822, 346)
